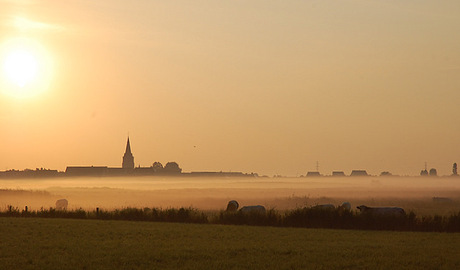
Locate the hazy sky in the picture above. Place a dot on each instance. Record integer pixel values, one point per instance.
(254, 86)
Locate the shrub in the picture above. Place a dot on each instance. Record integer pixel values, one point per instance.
(306, 217)
(269, 218)
(319, 218)
(453, 223)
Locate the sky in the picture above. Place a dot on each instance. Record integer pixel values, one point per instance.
(271, 87)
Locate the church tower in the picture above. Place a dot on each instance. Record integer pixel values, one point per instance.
(128, 159)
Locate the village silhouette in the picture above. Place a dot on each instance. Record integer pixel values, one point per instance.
(173, 169)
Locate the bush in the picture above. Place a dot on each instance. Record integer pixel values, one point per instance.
(305, 217)
(269, 218)
(319, 218)
(453, 223)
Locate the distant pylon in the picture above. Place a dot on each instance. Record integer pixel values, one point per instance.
(317, 166)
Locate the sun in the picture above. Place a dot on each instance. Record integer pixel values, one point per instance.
(21, 67)
(25, 68)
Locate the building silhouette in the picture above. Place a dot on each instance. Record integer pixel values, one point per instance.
(86, 170)
(338, 173)
(313, 174)
(358, 173)
(128, 158)
(127, 168)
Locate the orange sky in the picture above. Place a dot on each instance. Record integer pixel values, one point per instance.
(253, 86)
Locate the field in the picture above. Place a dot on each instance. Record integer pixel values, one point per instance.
(29, 243)
(92, 243)
(411, 193)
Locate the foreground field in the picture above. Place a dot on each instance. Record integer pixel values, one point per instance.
(29, 243)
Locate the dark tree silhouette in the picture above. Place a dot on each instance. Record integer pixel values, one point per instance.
(454, 169)
(157, 166)
(172, 167)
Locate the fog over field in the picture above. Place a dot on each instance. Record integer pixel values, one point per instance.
(412, 193)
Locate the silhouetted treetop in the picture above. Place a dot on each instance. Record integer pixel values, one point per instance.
(172, 167)
(157, 165)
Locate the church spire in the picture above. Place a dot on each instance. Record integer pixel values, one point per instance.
(128, 147)
(128, 159)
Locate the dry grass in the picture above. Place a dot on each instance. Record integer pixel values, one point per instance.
(306, 217)
(97, 244)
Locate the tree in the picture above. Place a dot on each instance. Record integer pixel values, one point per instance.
(172, 167)
(157, 166)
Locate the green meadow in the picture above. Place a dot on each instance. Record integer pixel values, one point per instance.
(40, 243)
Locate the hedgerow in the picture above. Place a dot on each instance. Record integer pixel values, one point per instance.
(305, 217)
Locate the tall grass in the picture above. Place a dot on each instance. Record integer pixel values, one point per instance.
(31, 243)
(305, 217)
(182, 215)
(269, 218)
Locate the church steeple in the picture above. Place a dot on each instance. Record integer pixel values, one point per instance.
(128, 159)
(128, 147)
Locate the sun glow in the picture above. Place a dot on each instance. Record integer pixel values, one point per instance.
(21, 67)
(25, 68)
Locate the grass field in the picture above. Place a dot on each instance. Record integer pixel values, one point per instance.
(30, 243)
